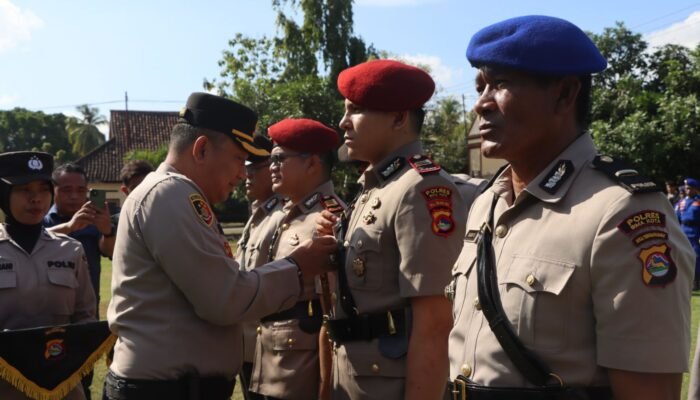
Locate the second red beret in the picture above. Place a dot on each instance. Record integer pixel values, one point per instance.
(386, 85)
(304, 135)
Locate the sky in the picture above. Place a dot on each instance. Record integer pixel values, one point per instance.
(56, 55)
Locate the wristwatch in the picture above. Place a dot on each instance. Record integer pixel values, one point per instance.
(111, 233)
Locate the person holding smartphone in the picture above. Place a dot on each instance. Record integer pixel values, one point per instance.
(87, 221)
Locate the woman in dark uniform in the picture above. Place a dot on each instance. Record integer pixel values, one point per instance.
(43, 276)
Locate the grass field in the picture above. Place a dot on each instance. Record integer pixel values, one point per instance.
(101, 368)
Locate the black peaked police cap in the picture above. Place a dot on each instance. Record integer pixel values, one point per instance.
(220, 114)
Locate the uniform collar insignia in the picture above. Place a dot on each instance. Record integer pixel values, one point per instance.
(557, 176)
(271, 203)
(312, 200)
(392, 167)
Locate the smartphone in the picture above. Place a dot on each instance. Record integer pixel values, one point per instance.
(97, 198)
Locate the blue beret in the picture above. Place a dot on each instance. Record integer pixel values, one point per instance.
(692, 183)
(537, 44)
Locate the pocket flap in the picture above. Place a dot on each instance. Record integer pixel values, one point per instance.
(366, 360)
(63, 277)
(291, 337)
(8, 279)
(535, 274)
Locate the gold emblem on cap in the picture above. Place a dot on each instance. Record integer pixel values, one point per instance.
(376, 203)
(364, 198)
(358, 267)
(369, 218)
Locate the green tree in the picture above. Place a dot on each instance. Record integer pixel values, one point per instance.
(445, 134)
(21, 129)
(645, 105)
(155, 157)
(294, 74)
(84, 133)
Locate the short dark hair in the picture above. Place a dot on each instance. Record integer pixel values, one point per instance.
(417, 117)
(583, 98)
(67, 168)
(133, 169)
(184, 134)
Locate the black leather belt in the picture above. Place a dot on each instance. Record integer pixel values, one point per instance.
(464, 389)
(190, 387)
(368, 326)
(303, 309)
(308, 313)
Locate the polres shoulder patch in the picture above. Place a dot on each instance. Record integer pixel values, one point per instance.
(641, 220)
(423, 164)
(439, 203)
(658, 268)
(624, 174)
(202, 209)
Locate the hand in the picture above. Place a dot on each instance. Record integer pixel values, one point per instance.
(325, 222)
(313, 255)
(102, 220)
(81, 219)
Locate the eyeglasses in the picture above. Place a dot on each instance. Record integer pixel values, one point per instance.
(280, 157)
(252, 169)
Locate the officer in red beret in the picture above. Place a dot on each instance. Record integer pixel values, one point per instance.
(400, 238)
(292, 354)
(178, 296)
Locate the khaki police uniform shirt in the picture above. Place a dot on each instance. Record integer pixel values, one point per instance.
(694, 387)
(50, 286)
(286, 358)
(468, 187)
(404, 235)
(178, 297)
(253, 251)
(590, 277)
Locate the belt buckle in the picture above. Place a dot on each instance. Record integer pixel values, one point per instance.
(459, 386)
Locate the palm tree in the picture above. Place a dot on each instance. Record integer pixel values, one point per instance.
(83, 133)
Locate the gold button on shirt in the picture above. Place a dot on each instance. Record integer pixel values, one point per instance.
(573, 277)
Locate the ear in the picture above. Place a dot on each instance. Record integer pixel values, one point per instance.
(124, 190)
(314, 164)
(401, 119)
(567, 92)
(200, 148)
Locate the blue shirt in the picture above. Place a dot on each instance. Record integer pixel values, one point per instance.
(688, 212)
(90, 238)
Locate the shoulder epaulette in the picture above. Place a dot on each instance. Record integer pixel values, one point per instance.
(625, 175)
(423, 165)
(331, 204)
(391, 167)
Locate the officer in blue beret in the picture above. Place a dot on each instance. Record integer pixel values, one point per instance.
(688, 212)
(574, 278)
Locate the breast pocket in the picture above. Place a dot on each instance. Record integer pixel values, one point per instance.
(8, 279)
(63, 283)
(461, 275)
(364, 260)
(537, 302)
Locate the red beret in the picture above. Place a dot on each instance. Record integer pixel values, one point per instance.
(386, 85)
(304, 135)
